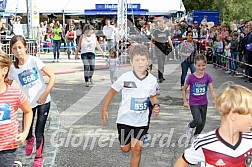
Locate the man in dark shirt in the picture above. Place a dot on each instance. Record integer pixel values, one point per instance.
(161, 38)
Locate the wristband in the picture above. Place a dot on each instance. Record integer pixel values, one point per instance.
(156, 104)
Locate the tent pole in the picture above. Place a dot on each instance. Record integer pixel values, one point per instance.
(63, 18)
(28, 17)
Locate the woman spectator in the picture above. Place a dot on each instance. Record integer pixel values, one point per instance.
(188, 50)
(87, 43)
(71, 37)
(56, 41)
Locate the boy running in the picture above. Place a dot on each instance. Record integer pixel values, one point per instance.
(138, 90)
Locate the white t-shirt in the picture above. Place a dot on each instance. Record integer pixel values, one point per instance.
(109, 32)
(29, 76)
(136, 92)
(88, 44)
(212, 150)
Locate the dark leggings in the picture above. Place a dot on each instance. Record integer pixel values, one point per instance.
(42, 114)
(88, 60)
(199, 118)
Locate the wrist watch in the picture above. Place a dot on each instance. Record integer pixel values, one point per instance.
(156, 104)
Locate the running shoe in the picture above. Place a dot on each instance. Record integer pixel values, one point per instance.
(189, 131)
(86, 84)
(39, 150)
(38, 161)
(29, 146)
(91, 81)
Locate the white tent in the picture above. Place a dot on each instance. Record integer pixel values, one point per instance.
(78, 6)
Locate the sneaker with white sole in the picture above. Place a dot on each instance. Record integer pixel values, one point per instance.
(86, 84)
(91, 81)
(189, 131)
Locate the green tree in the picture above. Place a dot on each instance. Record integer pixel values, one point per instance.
(229, 9)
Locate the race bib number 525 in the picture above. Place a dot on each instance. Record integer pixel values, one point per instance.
(198, 90)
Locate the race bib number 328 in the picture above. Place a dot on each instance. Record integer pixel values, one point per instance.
(139, 104)
(28, 77)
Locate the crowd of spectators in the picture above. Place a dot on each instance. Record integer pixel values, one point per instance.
(224, 44)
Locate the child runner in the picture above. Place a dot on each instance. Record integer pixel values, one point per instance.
(231, 144)
(28, 71)
(199, 82)
(113, 63)
(138, 89)
(10, 99)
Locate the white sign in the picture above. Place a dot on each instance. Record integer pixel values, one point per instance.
(34, 13)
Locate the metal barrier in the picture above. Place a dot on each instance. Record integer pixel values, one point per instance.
(31, 50)
(238, 64)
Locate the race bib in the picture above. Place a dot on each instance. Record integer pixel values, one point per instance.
(199, 89)
(28, 77)
(5, 113)
(139, 104)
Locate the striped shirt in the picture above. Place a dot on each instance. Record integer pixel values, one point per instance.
(10, 100)
(211, 150)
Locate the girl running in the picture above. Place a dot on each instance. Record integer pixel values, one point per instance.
(28, 71)
(199, 82)
(10, 99)
(113, 63)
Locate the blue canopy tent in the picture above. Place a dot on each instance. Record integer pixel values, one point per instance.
(92, 12)
(5, 14)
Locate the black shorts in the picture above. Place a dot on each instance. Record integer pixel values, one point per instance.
(126, 133)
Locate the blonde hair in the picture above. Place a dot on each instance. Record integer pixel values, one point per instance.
(234, 98)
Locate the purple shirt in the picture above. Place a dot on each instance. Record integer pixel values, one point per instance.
(198, 89)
